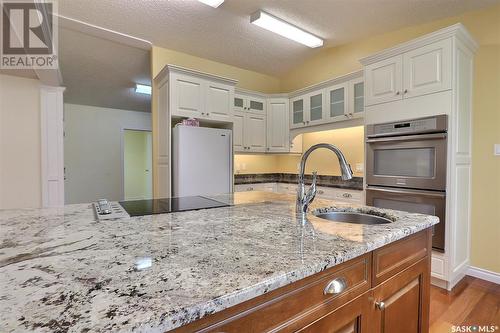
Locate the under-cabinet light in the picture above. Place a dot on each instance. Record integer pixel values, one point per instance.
(285, 29)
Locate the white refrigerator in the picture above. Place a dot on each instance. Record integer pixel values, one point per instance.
(202, 161)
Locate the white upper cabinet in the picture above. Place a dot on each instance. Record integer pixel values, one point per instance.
(187, 96)
(356, 94)
(384, 81)
(238, 132)
(247, 103)
(277, 125)
(199, 95)
(298, 118)
(254, 132)
(316, 110)
(336, 97)
(427, 69)
(218, 103)
(424, 70)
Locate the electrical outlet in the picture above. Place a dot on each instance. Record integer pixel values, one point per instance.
(496, 150)
(359, 167)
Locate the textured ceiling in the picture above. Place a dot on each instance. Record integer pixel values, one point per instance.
(103, 73)
(226, 35)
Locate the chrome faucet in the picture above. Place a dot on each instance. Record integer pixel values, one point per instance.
(304, 199)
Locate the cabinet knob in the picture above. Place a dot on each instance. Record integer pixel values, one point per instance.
(406, 91)
(335, 287)
(397, 93)
(208, 114)
(307, 121)
(304, 122)
(346, 115)
(380, 305)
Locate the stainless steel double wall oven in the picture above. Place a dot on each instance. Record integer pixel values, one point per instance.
(406, 168)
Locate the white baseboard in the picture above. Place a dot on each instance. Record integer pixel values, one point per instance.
(484, 274)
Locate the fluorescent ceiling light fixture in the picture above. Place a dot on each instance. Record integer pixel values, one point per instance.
(285, 29)
(212, 3)
(142, 89)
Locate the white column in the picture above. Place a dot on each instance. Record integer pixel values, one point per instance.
(52, 146)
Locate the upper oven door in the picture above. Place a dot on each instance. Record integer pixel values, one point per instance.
(413, 161)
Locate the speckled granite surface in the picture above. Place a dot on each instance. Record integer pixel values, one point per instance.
(60, 270)
(356, 183)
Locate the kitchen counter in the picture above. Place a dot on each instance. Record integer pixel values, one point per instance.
(63, 271)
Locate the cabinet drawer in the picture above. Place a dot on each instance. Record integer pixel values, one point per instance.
(395, 257)
(286, 307)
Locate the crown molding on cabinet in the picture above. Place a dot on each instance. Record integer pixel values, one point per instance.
(327, 83)
(457, 30)
(170, 68)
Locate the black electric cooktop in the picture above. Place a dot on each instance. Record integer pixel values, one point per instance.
(169, 205)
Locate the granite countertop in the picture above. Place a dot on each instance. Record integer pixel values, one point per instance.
(356, 183)
(60, 270)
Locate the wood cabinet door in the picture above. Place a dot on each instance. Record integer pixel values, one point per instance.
(401, 304)
(238, 132)
(383, 81)
(188, 98)
(350, 318)
(219, 101)
(427, 69)
(277, 125)
(254, 132)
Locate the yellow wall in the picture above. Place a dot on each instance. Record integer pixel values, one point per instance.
(20, 157)
(349, 140)
(246, 79)
(485, 27)
(246, 164)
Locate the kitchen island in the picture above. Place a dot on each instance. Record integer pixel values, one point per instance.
(61, 270)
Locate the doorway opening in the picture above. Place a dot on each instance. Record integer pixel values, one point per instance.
(137, 164)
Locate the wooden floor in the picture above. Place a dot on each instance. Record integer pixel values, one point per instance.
(471, 302)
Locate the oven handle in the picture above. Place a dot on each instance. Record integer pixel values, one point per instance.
(407, 191)
(408, 138)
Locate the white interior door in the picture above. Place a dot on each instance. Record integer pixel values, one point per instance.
(383, 81)
(427, 69)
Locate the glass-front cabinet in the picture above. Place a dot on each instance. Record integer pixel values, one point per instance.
(245, 103)
(357, 97)
(316, 115)
(337, 102)
(297, 107)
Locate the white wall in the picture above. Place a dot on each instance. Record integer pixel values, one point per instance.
(20, 159)
(93, 152)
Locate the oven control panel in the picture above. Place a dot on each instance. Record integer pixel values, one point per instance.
(423, 125)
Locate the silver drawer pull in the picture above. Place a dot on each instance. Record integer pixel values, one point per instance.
(321, 192)
(335, 287)
(347, 195)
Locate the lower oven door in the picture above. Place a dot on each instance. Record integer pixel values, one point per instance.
(413, 201)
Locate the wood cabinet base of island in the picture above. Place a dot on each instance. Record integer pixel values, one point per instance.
(383, 291)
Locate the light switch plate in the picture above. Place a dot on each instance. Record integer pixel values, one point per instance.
(496, 150)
